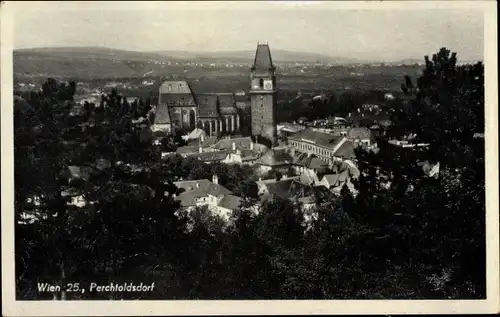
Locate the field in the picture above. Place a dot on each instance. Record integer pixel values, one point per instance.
(97, 67)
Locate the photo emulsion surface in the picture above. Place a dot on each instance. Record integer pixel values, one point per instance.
(279, 151)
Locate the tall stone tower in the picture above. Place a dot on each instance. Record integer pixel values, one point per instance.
(263, 95)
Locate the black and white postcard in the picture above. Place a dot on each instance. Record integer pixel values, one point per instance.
(249, 157)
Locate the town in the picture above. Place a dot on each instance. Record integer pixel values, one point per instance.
(301, 160)
(253, 190)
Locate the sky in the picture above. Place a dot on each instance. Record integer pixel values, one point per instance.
(315, 26)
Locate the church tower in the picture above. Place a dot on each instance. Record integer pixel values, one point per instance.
(263, 95)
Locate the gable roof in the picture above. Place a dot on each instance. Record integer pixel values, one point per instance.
(162, 115)
(286, 188)
(210, 156)
(346, 150)
(230, 202)
(207, 105)
(207, 142)
(187, 149)
(200, 188)
(196, 134)
(337, 179)
(240, 143)
(309, 161)
(319, 138)
(262, 60)
(249, 155)
(359, 133)
(175, 87)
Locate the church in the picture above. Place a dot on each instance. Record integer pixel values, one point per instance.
(179, 108)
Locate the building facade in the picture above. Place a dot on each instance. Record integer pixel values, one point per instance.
(327, 147)
(180, 109)
(263, 95)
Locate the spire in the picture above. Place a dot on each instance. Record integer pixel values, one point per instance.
(263, 60)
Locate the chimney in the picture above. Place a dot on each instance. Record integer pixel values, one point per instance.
(200, 149)
(251, 145)
(197, 185)
(215, 179)
(202, 137)
(234, 146)
(260, 179)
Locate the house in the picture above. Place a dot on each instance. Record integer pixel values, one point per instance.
(275, 159)
(291, 188)
(204, 140)
(186, 150)
(335, 182)
(210, 157)
(287, 129)
(348, 165)
(360, 135)
(327, 147)
(202, 192)
(303, 162)
(234, 144)
(196, 134)
(249, 157)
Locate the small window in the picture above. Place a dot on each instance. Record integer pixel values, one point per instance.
(261, 84)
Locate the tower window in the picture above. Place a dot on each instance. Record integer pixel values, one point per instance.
(261, 83)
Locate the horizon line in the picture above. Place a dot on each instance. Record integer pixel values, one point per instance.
(345, 56)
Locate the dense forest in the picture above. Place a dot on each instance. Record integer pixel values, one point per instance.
(417, 238)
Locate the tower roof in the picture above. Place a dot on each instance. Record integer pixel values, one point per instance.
(263, 60)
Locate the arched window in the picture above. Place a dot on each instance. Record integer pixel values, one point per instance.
(261, 83)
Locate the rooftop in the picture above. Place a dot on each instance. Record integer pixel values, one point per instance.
(198, 188)
(175, 87)
(187, 149)
(346, 150)
(210, 156)
(319, 138)
(309, 161)
(162, 116)
(359, 133)
(230, 202)
(263, 60)
(337, 179)
(207, 105)
(240, 143)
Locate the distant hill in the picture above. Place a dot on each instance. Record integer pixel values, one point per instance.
(99, 62)
(278, 56)
(116, 54)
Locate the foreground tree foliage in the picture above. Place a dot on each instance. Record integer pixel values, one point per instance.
(402, 236)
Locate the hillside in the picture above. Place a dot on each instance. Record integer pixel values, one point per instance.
(279, 56)
(98, 62)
